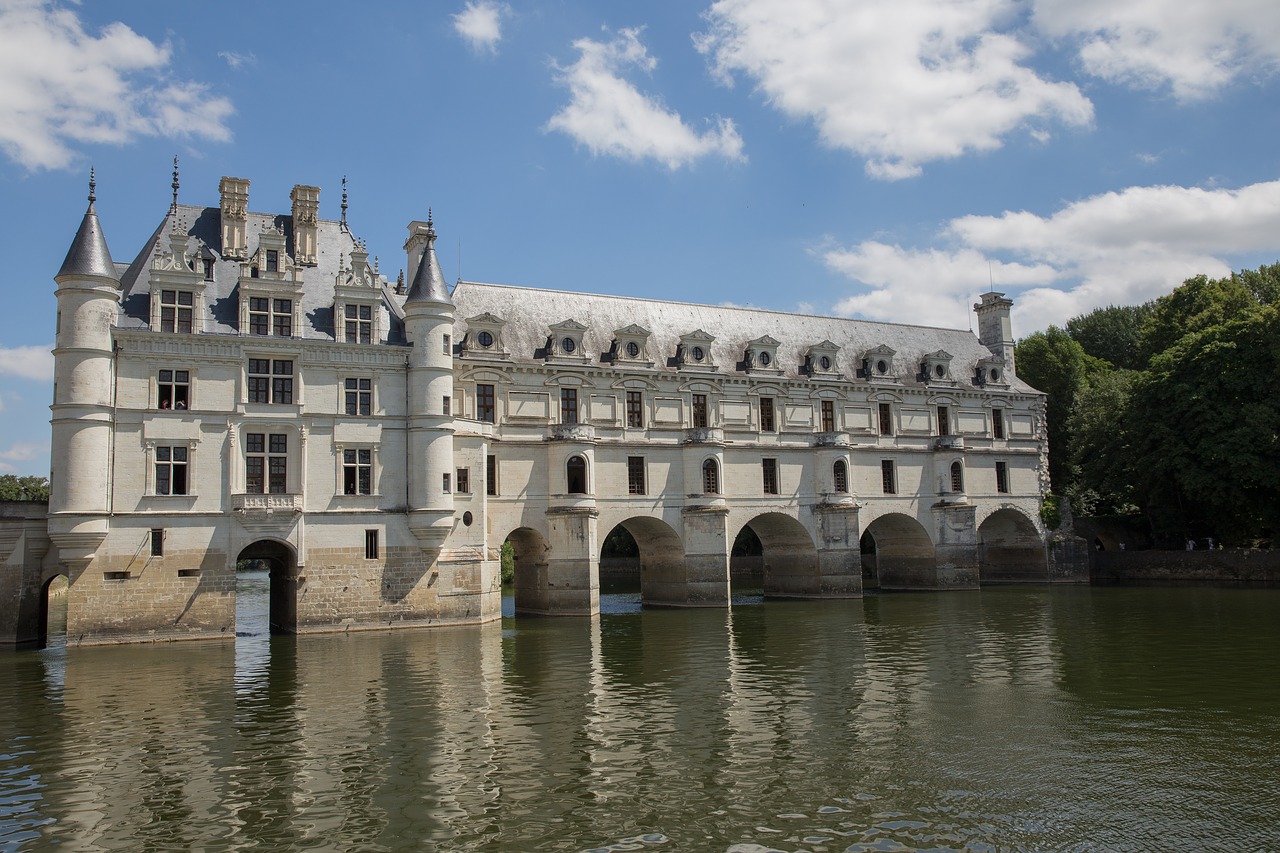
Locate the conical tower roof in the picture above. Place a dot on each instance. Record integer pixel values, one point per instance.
(89, 255)
(428, 282)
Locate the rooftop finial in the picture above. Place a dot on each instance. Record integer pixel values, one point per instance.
(431, 228)
(344, 201)
(93, 187)
(175, 183)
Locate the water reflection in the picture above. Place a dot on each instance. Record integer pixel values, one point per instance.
(1005, 719)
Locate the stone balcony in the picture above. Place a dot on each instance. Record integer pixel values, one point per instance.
(704, 435)
(267, 514)
(832, 439)
(949, 442)
(585, 433)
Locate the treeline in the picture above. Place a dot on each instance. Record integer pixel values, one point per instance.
(15, 488)
(1169, 411)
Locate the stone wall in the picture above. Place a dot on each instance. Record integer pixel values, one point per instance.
(1231, 565)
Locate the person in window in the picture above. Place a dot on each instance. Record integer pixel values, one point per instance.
(164, 404)
(182, 404)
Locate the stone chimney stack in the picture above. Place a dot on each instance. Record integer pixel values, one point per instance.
(306, 216)
(416, 246)
(995, 329)
(235, 217)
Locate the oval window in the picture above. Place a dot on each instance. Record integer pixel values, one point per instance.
(882, 367)
(697, 353)
(633, 349)
(764, 359)
(825, 361)
(568, 345)
(486, 339)
(995, 375)
(939, 371)
(467, 519)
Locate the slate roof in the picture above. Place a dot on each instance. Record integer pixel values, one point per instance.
(88, 254)
(530, 312)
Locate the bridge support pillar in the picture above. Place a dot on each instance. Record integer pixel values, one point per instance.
(839, 570)
(572, 585)
(700, 576)
(958, 551)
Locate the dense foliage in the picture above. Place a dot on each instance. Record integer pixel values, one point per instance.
(1169, 410)
(15, 488)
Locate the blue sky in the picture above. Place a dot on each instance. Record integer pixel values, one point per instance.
(887, 159)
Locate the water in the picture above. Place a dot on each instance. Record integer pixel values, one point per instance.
(1006, 719)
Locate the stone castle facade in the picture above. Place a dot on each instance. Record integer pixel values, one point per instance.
(250, 386)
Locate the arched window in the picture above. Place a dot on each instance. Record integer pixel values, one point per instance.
(576, 475)
(840, 476)
(957, 477)
(710, 477)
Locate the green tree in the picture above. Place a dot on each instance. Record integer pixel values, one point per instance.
(1054, 363)
(1112, 334)
(15, 488)
(507, 563)
(1101, 456)
(1198, 304)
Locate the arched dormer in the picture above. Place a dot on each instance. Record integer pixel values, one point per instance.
(631, 346)
(878, 364)
(694, 352)
(935, 368)
(822, 360)
(567, 342)
(483, 338)
(761, 356)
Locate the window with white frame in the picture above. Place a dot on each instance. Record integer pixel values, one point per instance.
(270, 316)
(266, 463)
(358, 324)
(357, 471)
(176, 310)
(171, 469)
(173, 389)
(270, 380)
(358, 396)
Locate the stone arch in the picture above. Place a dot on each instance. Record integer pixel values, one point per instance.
(660, 559)
(577, 475)
(788, 555)
(281, 561)
(897, 553)
(531, 552)
(51, 586)
(1011, 548)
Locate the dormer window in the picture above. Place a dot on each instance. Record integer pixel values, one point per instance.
(270, 316)
(697, 354)
(762, 354)
(991, 371)
(879, 365)
(208, 268)
(821, 359)
(176, 311)
(483, 336)
(485, 339)
(567, 341)
(631, 344)
(694, 351)
(936, 367)
(358, 324)
(568, 345)
(272, 262)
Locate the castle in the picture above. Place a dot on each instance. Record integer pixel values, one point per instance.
(250, 387)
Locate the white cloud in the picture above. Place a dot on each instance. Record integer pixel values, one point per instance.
(1115, 248)
(28, 362)
(1194, 48)
(611, 116)
(899, 82)
(480, 24)
(238, 60)
(60, 86)
(22, 451)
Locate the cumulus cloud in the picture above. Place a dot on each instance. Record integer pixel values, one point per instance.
(898, 82)
(1192, 48)
(1115, 248)
(609, 115)
(480, 24)
(27, 362)
(22, 451)
(60, 86)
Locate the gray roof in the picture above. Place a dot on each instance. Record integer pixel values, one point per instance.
(529, 313)
(428, 282)
(88, 254)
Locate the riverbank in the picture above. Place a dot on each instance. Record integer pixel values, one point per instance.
(1244, 566)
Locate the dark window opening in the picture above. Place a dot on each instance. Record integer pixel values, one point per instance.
(568, 405)
(828, 416)
(490, 475)
(171, 470)
(371, 544)
(840, 476)
(635, 410)
(700, 410)
(1002, 477)
(997, 423)
(464, 481)
(710, 477)
(358, 396)
(766, 414)
(173, 387)
(157, 542)
(887, 478)
(944, 421)
(357, 472)
(575, 471)
(769, 468)
(486, 410)
(957, 477)
(886, 419)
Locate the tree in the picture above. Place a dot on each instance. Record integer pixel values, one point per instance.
(1054, 363)
(1101, 456)
(1112, 334)
(1198, 304)
(15, 488)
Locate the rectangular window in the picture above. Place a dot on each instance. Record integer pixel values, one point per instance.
(635, 410)
(270, 381)
(357, 471)
(282, 317)
(828, 416)
(766, 414)
(490, 475)
(485, 409)
(944, 421)
(266, 463)
(446, 405)
(157, 542)
(446, 348)
(887, 479)
(635, 475)
(208, 269)
(171, 470)
(371, 544)
(358, 323)
(886, 419)
(448, 486)
(359, 396)
(273, 260)
(175, 311)
(997, 423)
(769, 469)
(568, 405)
(1002, 477)
(174, 388)
(464, 481)
(699, 410)
(259, 315)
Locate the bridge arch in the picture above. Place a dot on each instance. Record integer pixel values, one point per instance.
(531, 555)
(788, 556)
(281, 563)
(897, 553)
(1011, 548)
(51, 616)
(659, 558)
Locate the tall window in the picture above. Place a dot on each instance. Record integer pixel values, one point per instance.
(997, 423)
(769, 468)
(446, 345)
(358, 323)
(699, 410)
(359, 396)
(157, 542)
(886, 419)
(944, 421)
(1002, 477)
(486, 411)
(371, 544)
(840, 476)
(266, 463)
(568, 405)
(171, 470)
(575, 472)
(490, 475)
(635, 409)
(174, 386)
(447, 483)
(635, 475)
(270, 381)
(446, 405)
(710, 477)
(766, 414)
(887, 478)
(273, 260)
(357, 472)
(270, 316)
(828, 416)
(957, 477)
(175, 311)
(464, 481)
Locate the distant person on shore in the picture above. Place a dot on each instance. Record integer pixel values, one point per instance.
(1191, 544)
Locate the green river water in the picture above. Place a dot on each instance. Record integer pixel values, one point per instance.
(1028, 718)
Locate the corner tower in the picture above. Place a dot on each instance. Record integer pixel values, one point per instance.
(428, 322)
(995, 329)
(88, 297)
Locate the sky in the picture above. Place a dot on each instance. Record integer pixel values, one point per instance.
(880, 159)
